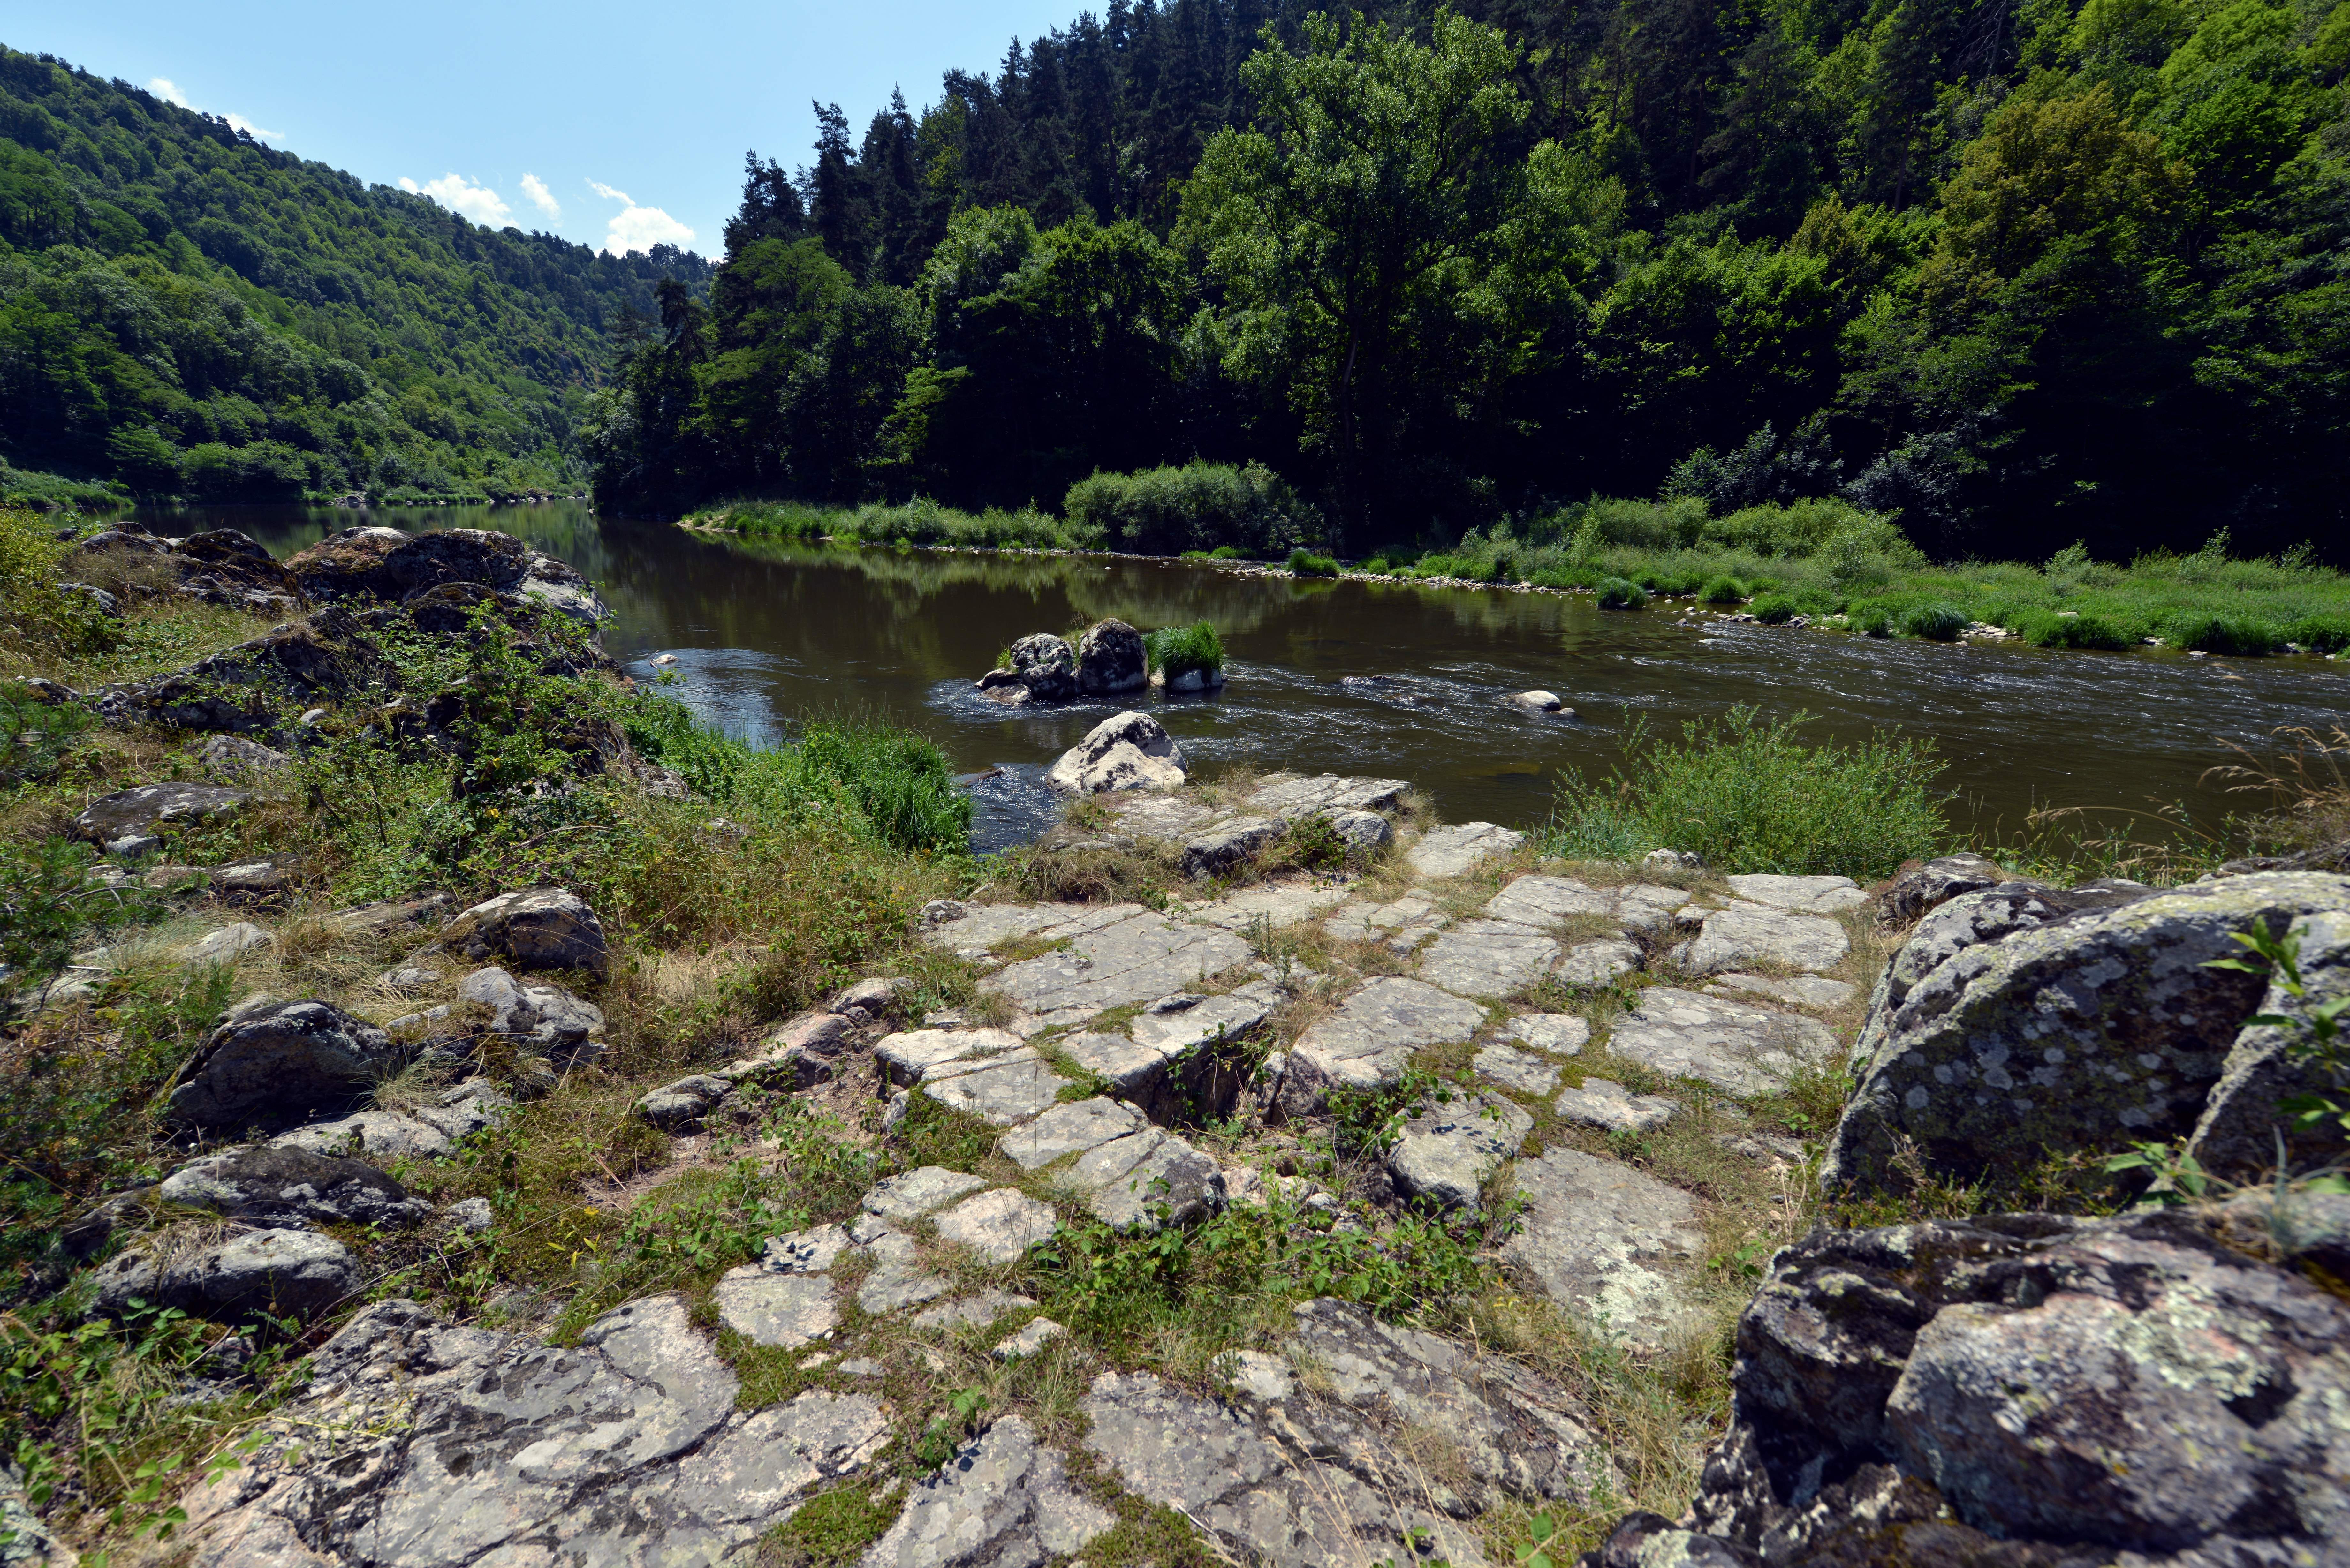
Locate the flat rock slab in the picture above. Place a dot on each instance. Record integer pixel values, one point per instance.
(1796, 990)
(1739, 1049)
(1000, 1226)
(807, 1251)
(1368, 1041)
(1609, 1106)
(1596, 1236)
(975, 928)
(1033, 1336)
(1453, 850)
(1542, 900)
(1805, 895)
(1744, 934)
(1127, 1068)
(1221, 847)
(1515, 1069)
(1005, 1501)
(905, 1057)
(782, 1310)
(1402, 924)
(1067, 1129)
(1598, 963)
(1445, 1154)
(1326, 794)
(1171, 1030)
(1277, 904)
(1561, 1034)
(916, 1193)
(898, 1280)
(1159, 815)
(1488, 958)
(1003, 1091)
(972, 1312)
(1149, 1177)
(1139, 959)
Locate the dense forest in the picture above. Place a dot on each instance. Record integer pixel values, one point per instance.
(185, 311)
(2017, 273)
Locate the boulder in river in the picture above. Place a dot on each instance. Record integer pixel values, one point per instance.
(1110, 659)
(1128, 751)
(1043, 670)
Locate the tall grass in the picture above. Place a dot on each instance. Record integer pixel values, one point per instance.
(1753, 796)
(1179, 650)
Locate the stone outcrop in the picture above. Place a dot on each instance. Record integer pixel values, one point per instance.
(541, 927)
(143, 810)
(544, 1019)
(1110, 659)
(1367, 1044)
(1739, 1049)
(1003, 1501)
(281, 1061)
(220, 565)
(1125, 751)
(285, 1274)
(1445, 1154)
(325, 657)
(271, 1185)
(2088, 1031)
(2022, 1390)
(1916, 894)
(387, 565)
(2243, 1123)
(1601, 1238)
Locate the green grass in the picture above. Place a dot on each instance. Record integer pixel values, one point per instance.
(1179, 650)
(1621, 594)
(1306, 564)
(1753, 796)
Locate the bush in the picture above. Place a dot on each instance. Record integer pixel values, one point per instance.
(2320, 633)
(1774, 610)
(1304, 563)
(1936, 622)
(1175, 650)
(1724, 590)
(1201, 506)
(1617, 592)
(2239, 634)
(1751, 797)
(2047, 628)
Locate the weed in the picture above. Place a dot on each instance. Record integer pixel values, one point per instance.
(1306, 564)
(833, 1527)
(1180, 650)
(1621, 594)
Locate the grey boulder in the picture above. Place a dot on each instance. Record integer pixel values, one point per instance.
(1914, 895)
(285, 1274)
(1045, 667)
(541, 927)
(1606, 1240)
(2244, 1124)
(547, 1018)
(143, 809)
(1004, 1501)
(280, 1060)
(1446, 1153)
(1228, 844)
(1110, 659)
(276, 1184)
(1125, 751)
(679, 1107)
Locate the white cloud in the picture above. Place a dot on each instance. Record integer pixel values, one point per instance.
(168, 91)
(478, 203)
(540, 196)
(639, 228)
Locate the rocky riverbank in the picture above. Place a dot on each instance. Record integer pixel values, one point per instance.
(1254, 1170)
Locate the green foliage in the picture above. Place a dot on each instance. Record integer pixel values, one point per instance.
(1618, 592)
(1229, 512)
(1306, 564)
(1751, 797)
(47, 906)
(1774, 610)
(34, 734)
(2314, 1028)
(1179, 650)
(834, 1527)
(1936, 622)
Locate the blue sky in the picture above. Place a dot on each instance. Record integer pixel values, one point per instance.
(608, 124)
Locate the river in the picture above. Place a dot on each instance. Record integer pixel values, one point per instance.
(1403, 680)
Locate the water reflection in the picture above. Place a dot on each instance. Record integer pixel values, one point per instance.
(1356, 676)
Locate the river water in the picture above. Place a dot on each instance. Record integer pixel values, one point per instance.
(1347, 677)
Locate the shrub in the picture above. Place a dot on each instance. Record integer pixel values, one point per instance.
(1936, 622)
(1774, 610)
(1175, 650)
(1201, 506)
(1304, 563)
(1751, 797)
(2047, 628)
(1871, 618)
(2207, 633)
(2320, 633)
(1617, 592)
(1227, 553)
(1435, 566)
(1724, 590)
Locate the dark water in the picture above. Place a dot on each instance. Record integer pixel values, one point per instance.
(1358, 678)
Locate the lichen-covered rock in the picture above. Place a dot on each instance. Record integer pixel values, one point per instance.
(546, 1019)
(285, 1274)
(541, 927)
(1110, 659)
(1739, 1049)
(1000, 1226)
(1445, 1153)
(1125, 751)
(281, 1060)
(325, 658)
(422, 1132)
(1744, 934)
(2243, 1124)
(2027, 1389)
(277, 1184)
(1045, 666)
(2088, 1033)
(1600, 1236)
(1003, 1501)
(147, 807)
(1917, 894)
(1367, 1043)
(1463, 846)
(1229, 844)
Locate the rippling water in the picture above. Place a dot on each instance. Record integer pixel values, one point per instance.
(1351, 677)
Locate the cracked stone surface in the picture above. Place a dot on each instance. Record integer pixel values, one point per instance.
(1737, 1048)
(1195, 1022)
(975, 928)
(917, 1192)
(1130, 1180)
(1595, 1235)
(1596, 963)
(1445, 1153)
(424, 1445)
(907, 1056)
(1328, 793)
(975, 1310)
(1563, 1033)
(1402, 924)
(766, 1308)
(1000, 1225)
(1515, 1069)
(1450, 851)
(1608, 1104)
(898, 1280)
(1488, 958)
(1003, 1501)
(1279, 903)
(1796, 990)
(1366, 1043)
(1002, 1091)
(805, 1252)
(1159, 816)
(1071, 1129)
(1139, 959)
(1806, 895)
(1744, 934)
(1542, 900)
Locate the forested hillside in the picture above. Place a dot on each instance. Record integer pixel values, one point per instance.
(2023, 273)
(185, 311)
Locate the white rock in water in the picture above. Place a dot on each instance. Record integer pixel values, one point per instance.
(1125, 751)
